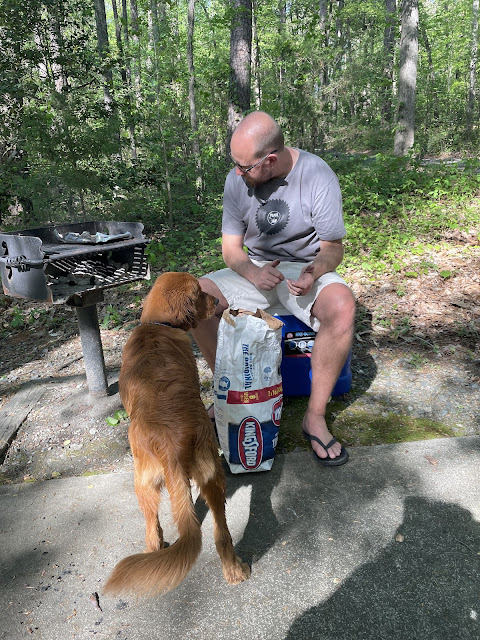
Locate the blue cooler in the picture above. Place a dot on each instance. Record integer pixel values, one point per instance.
(297, 344)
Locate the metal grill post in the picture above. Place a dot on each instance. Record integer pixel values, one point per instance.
(89, 328)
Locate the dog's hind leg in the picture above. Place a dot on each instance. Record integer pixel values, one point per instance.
(148, 484)
(213, 492)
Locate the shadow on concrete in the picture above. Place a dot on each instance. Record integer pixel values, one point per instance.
(263, 528)
(423, 587)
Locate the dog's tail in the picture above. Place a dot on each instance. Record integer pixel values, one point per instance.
(160, 571)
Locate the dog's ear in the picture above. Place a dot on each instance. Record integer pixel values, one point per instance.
(156, 306)
(197, 304)
(178, 299)
(186, 304)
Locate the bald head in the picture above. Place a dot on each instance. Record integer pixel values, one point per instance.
(260, 131)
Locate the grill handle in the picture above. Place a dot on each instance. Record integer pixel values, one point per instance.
(22, 263)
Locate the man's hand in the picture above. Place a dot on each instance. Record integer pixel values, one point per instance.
(268, 276)
(304, 283)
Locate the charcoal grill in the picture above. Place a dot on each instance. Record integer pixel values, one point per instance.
(73, 264)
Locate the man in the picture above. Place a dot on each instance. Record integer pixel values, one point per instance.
(285, 206)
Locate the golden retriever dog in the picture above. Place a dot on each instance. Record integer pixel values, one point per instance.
(172, 440)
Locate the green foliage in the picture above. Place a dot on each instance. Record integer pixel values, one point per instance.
(68, 155)
(396, 207)
(119, 416)
(112, 318)
(417, 360)
(18, 318)
(21, 318)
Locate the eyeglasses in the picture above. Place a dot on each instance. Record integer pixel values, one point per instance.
(246, 170)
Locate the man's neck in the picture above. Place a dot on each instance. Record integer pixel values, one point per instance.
(286, 160)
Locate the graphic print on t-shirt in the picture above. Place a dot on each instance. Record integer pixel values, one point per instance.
(272, 216)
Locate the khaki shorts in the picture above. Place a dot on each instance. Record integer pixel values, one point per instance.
(240, 293)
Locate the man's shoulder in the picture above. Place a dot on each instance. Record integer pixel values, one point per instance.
(311, 158)
(233, 180)
(315, 167)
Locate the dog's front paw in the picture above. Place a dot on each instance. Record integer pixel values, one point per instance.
(236, 573)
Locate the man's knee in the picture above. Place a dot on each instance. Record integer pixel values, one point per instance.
(208, 286)
(335, 304)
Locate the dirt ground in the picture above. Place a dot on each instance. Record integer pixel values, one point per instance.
(416, 350)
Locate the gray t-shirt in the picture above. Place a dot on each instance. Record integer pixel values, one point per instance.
(286, 218)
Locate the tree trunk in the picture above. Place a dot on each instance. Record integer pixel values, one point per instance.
(473, 70)
(239, 91)
(118, 37)
(135, 33)
(127, 41)
(340, 45)
(325, 32)
(125, 82)
(191, 100)
(323, 77)
(155, 32)
(431, 103)
(407, 79)
(56, 51)
(282, 29)
(159, 27)
(103, 51)
(388, 56)
(256, 58)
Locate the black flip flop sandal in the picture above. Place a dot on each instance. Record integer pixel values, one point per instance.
(328, 462)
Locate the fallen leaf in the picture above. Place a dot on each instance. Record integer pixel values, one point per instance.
(95, 600)
(473, 291)
(431, 460)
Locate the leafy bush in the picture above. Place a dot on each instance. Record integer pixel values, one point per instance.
(395, 206)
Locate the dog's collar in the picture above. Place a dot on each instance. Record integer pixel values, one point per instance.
(165, 324)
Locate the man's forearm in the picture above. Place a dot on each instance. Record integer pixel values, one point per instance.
(327, 259)
(239, 261)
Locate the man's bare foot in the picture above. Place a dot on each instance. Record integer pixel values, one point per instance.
(315, 425)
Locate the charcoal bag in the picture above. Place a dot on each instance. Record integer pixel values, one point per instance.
(248, 388)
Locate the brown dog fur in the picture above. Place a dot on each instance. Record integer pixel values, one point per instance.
(172, 440)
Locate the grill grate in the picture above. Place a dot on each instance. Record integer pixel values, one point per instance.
(67, 276)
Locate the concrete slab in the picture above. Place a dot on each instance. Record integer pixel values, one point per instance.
(387, 546)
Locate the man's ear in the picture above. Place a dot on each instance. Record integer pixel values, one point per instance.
(273, 159)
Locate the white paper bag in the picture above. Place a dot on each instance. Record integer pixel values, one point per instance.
(248, 388)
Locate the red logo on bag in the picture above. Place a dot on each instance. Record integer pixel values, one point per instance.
(277, 411)
(250, 443)
(252, 397)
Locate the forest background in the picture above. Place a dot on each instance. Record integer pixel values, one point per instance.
(123, 110)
